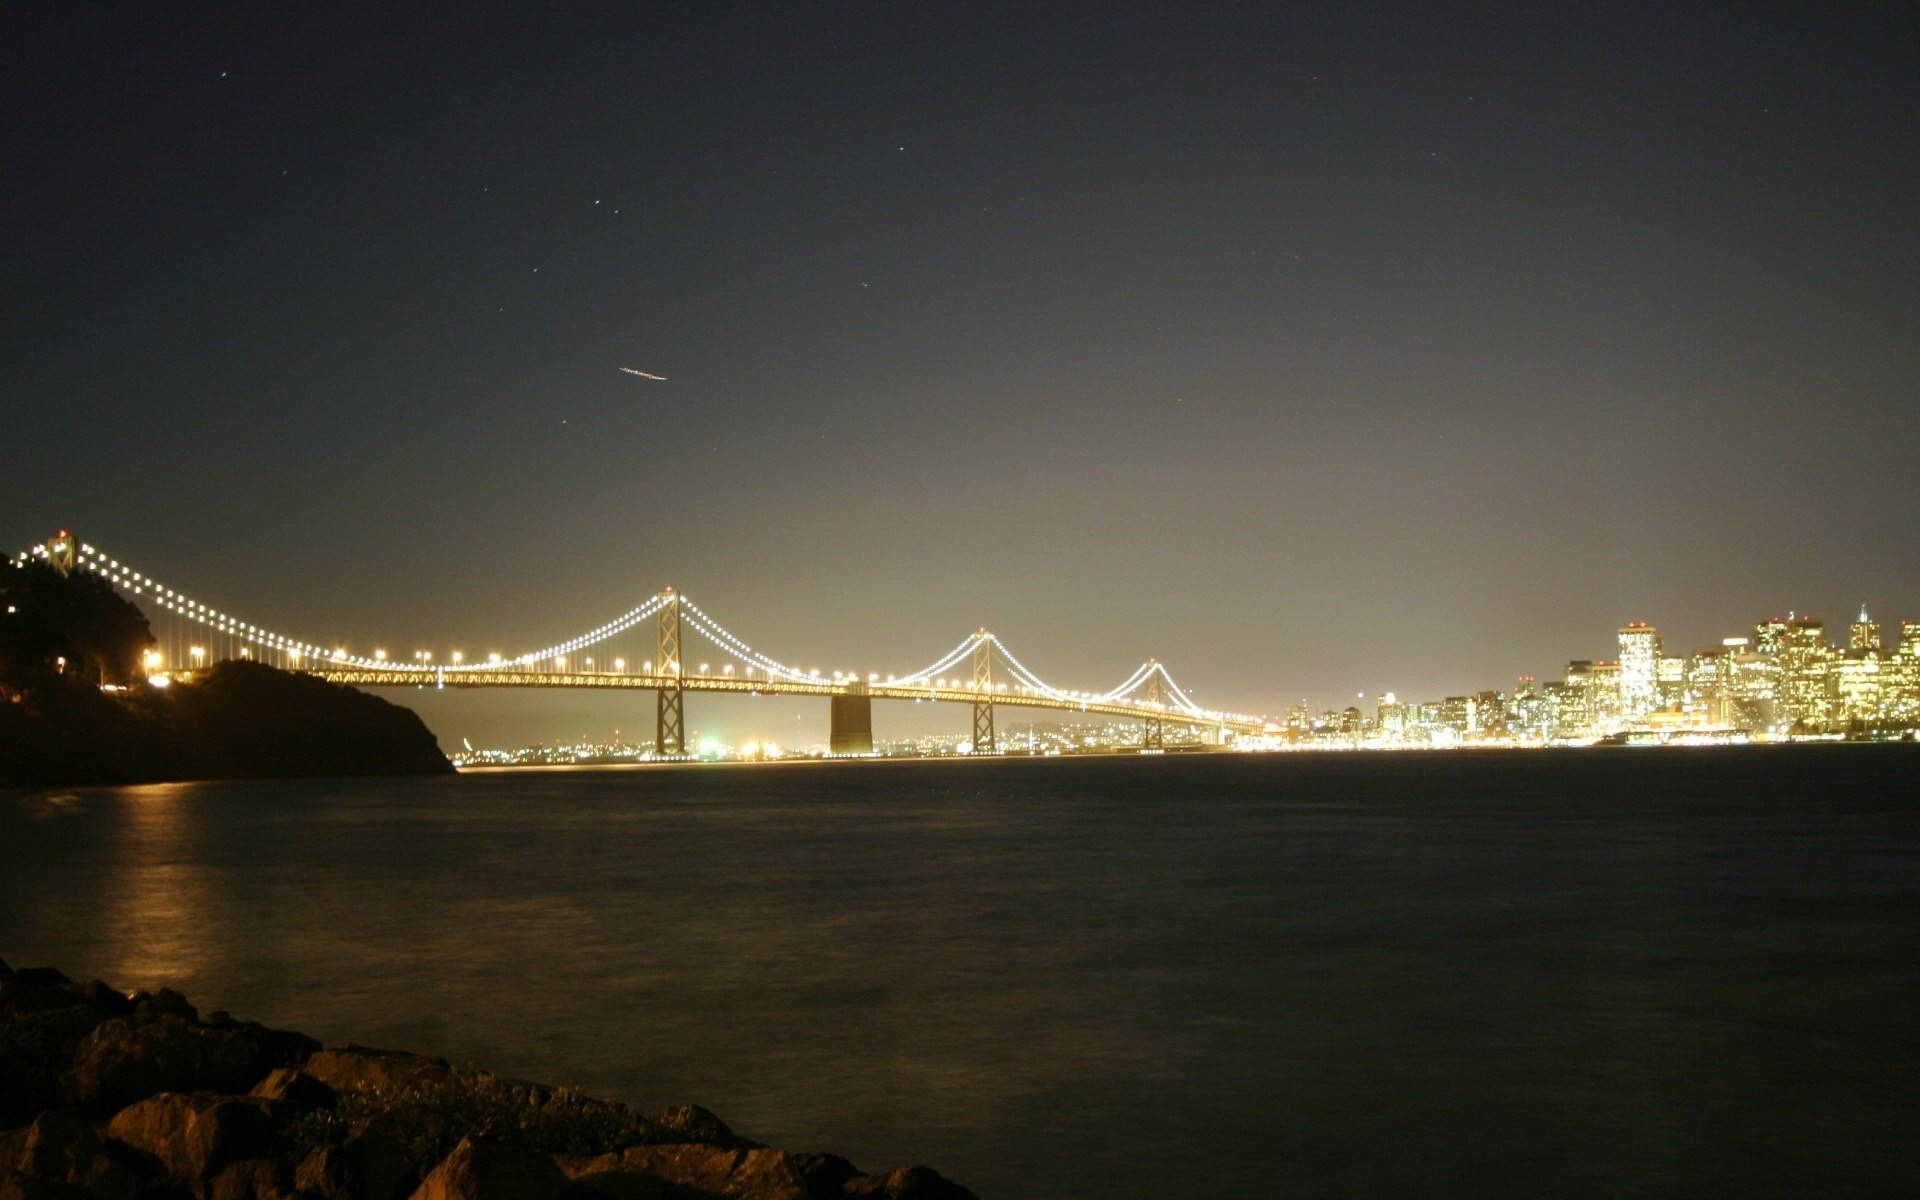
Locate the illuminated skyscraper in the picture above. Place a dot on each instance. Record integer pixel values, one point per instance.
(1859, 684)
(1901, 693)
(1864, 634)
(1639, 670)
(1709, 686)
(1806, 691)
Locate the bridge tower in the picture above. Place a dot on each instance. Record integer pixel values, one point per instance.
(1154, 736)
(61, 548)
(669, 727)
(983, 742)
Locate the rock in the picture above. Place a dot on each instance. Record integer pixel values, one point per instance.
(359, 1069)
(290, 1085)
(102, 996)
(61, 1146)
(129, 1058)
(484, 1171)
(38, 977)
(56, 1144)
(826, 1174)
(366, 1166)
(6, 972)
(168, 1001)
(16, 1186)
(907, 1183)
(691, 1123)
(253, 1179)
(194, 1136)
(739, 1174)
(39, 1032)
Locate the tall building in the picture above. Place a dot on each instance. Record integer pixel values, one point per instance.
(1606, 698)
(1901, 693)
(1859, 685)
(1709, 686)
(1864, 634)
(1575, 713)
(1806, 691)
(1639, 670)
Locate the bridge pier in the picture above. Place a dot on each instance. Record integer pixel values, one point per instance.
(850, 725)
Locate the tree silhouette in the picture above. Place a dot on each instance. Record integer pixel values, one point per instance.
(74, 626)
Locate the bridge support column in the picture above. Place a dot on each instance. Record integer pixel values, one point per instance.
(850, 725)
(983, 740)
(1154, 735)
(670, 726)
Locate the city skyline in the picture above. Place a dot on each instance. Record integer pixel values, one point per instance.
(1313, 351)
(1786, 677)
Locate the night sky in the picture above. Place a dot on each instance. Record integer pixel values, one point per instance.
(1313, 349)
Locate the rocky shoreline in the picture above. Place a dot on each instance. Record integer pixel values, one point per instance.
(111, 1096)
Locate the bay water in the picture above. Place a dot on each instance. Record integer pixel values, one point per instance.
(1607, 972)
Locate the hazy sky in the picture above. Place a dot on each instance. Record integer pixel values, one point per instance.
(1312, 348)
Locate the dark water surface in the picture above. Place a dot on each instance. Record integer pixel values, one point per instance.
(1589, 973)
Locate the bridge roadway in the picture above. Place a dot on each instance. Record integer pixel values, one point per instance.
(415, 677)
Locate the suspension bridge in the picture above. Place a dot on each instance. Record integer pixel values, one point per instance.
(980, 671)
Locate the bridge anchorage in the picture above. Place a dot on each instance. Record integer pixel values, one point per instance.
(979, 672)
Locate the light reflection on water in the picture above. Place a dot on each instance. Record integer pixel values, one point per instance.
(1579, 975)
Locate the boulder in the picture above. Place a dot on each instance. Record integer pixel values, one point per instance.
(907, 1183)
(826, 1174)
(40, 1028)
(55, 1144)
(369, 1165)
(129, 1058)
(706, 1170)
(17, 1186)
(292, 1086)
(193, 1137)
(29, 978)
(691, 1123)
(359, 1069)
(484, 1171)
(253, 1179)
(166, 1001)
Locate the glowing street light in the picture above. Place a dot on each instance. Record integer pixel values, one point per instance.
(379, 656)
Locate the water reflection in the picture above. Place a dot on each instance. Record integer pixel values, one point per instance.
(1588, 977)
(158, 894)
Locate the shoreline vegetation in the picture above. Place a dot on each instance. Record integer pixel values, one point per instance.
(241, 720)
(106, 1095)
(77, 707)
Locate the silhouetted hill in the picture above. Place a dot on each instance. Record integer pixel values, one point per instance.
(242, 720)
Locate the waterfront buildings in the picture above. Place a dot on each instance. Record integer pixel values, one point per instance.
(1785, 681)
